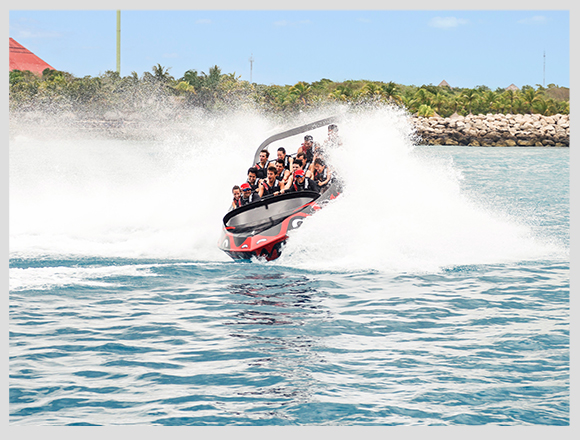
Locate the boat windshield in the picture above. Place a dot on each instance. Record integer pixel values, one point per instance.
(268, 211)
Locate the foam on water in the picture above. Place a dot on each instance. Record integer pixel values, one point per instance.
(42, 278)
(77, 194)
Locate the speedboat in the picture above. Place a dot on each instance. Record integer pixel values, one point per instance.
(260, 229)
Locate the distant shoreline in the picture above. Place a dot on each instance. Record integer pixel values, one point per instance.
(494, 130)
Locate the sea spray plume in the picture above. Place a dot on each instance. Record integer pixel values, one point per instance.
(400, 212)
(161, 193)
(160, 188)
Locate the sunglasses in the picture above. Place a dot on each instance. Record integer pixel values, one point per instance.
(246, 190)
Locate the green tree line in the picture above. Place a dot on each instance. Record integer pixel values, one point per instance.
(215, 90)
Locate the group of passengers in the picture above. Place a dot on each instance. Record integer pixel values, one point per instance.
(308, 170)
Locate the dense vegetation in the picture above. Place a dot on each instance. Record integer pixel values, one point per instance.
(110, 93)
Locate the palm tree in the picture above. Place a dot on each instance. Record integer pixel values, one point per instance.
(500, 104)
(161, 74)
(529, 97)
(425, 111)
(301, 91)
(488, 98)
(469, 97)
(563, 107)
(438, 101)
(184, 86)
(337, 95)
(510, 96)
(192, 78)
(423, 96)
(341, 93)
(454, 103)
(371, 89)
(542, 107)
(212, 79)
(391, 92)
(519, 106)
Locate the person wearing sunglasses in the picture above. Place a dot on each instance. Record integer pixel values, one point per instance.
(248, 196)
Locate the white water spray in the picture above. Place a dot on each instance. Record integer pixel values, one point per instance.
(76, 194)
(402, 212)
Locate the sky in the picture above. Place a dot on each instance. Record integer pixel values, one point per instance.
(466, 48)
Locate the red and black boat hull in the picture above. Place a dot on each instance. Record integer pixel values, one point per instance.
(261, 229)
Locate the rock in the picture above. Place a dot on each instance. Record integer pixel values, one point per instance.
(525, 143)
(494, 130)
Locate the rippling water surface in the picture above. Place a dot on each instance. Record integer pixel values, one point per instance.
(436, 295)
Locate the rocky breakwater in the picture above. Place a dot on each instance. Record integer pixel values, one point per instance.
(494, 130)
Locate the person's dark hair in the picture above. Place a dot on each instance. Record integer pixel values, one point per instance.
(298, 162)
(319, 161)
(266, 151)
(299, 155)
(280, 161)
(235, 187)
(282, 149)
(308, 137)
(272, 168)
(253, 170)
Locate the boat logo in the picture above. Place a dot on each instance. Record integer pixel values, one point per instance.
(296, 223)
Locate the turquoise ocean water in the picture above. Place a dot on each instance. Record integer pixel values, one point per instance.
(434, 292)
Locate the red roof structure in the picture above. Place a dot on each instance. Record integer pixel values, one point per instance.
(22, 59)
